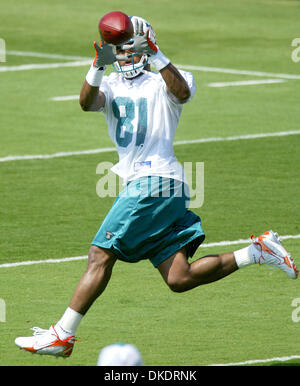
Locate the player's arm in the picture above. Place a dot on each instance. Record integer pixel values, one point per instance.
(144, 42)
(176, 84)
(91, 98)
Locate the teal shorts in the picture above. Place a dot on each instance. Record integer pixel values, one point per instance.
(150, 220)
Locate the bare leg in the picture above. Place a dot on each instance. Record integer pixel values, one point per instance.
(94, 280)
(182, 276)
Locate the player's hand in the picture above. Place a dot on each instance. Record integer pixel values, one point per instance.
(143, 38)
(103, 54)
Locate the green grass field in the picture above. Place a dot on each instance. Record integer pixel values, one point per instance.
(49, 207)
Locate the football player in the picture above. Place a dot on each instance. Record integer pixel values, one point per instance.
(150, 218)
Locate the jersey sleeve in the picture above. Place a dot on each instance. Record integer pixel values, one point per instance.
(189, 77)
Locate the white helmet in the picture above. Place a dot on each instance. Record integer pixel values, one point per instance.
(141, 26)
(120, 354)
(133, 69)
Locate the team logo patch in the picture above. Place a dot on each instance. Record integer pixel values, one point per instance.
(109, 235)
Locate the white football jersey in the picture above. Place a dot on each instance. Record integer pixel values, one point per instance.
(142, 119)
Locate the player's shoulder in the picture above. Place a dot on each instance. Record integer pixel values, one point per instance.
(188, 76)
(152, 74)
(111, 78)
(155, 76)
(150, 77)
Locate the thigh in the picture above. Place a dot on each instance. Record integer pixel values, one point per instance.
(175, 268)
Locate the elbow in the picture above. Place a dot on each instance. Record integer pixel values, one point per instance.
(185, 95)
(84, 106)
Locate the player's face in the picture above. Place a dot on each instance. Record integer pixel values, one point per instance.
(129, 54)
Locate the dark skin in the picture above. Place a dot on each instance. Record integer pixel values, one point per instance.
(176, 271)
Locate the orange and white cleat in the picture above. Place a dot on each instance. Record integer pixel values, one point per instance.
(273, 253)
(46, 342)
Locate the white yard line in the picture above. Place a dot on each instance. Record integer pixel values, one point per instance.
(176, 143)
(46, 56)
(76, 258)
(85, 60)
(237, 137)
(32, 262)
(256, 361)
(56, 155)
(65, 98)
(242, 241)
(25, 67)
(245, 83)
(237, 72)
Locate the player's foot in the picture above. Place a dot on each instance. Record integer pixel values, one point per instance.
(46, 342)
(273, 253)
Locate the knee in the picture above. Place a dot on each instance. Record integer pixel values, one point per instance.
(178, 284)
(99, 258)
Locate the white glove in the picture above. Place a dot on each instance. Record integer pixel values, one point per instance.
(103, 55)
(144, 41)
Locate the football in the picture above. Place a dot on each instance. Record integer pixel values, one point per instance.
(116, 27)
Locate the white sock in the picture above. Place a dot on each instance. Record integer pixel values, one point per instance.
(246, 256)
(68, 323)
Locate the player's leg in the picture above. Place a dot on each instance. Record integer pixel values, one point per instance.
(59, 339)
(92, 283)
(265, 249)
(94, 280)
(182, 276)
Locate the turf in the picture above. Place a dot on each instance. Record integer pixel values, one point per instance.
(50, 209)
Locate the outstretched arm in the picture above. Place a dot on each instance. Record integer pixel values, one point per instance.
(175, 82)
(91, 99)
(144, 42)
